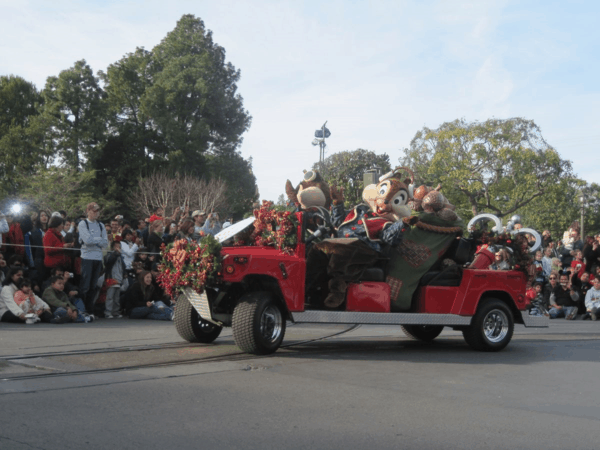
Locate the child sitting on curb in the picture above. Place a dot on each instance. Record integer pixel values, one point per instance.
(64, 310)
(31, 303)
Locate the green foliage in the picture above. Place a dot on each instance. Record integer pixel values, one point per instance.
(192, 100)
(497, 166)
(75, 100)
(22, 131)
(242, 190)
(61, 188)
(346, 169)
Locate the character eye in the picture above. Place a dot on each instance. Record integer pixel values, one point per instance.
(383, 189)
(400, 198)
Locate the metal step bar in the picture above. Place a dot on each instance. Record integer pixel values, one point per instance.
(380, 318)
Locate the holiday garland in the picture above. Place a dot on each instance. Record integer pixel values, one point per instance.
(189, 264)
(273, 228)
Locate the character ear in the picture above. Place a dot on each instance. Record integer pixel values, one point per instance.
(291, 192)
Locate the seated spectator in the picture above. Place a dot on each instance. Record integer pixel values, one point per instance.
(583, 285)
(538, 306)
(31, 303)
(162, 295)
(563, 300)
(64, 310)
(501, 260)
(9, 310)
(592, 300)
(115, 277)
(143, 301)
(212, 224)
(55, 254)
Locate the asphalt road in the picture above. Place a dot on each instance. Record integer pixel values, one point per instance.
(367, 388)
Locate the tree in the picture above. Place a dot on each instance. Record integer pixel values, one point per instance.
(498, 166)
(172, 193)
(75, 100)
(22, 131)
(61, 188)
(346, 169)
(193, 99)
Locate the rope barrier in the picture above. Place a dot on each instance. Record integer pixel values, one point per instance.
(64, 248)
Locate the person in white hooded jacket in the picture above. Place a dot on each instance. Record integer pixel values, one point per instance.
(592, 300)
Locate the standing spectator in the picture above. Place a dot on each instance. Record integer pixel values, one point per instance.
(546, 238)
(577, 265)
(115, 277)
(591, 253)
(212, 224)
(155, 236)
(54, 247)
(592, 300)
(199, 218)
(547, 262)
(539, 268)
(93, 238)
(570, 246)
(3, 226)
(171, 233)
(9, 310)
(563, 300)
(128, 248)
(142, 231)
(186, 230)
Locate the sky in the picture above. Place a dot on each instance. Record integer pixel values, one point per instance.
(376, 71)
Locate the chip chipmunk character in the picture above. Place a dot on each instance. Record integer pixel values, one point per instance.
(363, 232)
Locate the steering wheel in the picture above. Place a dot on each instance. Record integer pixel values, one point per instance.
(324, 229)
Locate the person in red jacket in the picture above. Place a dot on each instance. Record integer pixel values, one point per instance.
(55, 254)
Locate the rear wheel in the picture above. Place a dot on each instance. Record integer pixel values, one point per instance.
(491, 328)
(191, 326)
(258, 323)
(425, 333)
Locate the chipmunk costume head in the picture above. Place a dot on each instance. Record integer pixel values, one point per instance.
(313, 190)
(389, 198)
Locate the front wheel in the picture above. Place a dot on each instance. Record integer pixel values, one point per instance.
(258, 324)
(491, 328)
(425, 333)
(191, 326)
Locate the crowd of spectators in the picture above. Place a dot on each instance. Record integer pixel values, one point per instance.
(57, 269)
(566, 276)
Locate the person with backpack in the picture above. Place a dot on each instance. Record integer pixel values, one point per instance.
(93, 238)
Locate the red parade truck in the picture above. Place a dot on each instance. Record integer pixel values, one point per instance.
(261, 288)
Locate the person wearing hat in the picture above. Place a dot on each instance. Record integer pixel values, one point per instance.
(199, 220)
(93, 238)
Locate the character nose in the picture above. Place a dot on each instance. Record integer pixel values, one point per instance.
(386, 202)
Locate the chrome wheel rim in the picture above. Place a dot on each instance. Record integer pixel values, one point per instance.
(271, 324)
(205, 327)
(495, 325)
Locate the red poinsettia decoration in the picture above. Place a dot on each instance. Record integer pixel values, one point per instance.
(188, 264)
(275, 228)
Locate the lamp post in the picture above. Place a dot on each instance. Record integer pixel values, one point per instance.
(582, 200)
